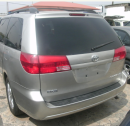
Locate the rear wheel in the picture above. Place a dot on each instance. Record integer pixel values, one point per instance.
(11, 101)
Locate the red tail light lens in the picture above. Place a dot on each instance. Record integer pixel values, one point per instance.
(77, 14)
(51, 64)
(30, 63)
(120, 54)
(35, 64)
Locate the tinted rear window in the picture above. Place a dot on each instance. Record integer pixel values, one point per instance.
(69, 36)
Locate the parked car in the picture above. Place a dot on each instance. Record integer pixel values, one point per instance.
(58, 63)
(126, 120)
(116, 20)
(120, 22)
(124, 35)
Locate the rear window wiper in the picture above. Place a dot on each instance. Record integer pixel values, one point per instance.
(96, 47)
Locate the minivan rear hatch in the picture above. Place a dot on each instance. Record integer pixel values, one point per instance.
(89, 45)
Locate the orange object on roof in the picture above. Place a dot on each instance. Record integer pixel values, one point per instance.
(61, 5)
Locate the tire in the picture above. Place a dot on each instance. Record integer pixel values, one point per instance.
(11, 101)
(128, 63)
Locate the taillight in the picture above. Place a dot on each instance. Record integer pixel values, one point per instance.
(35, 64)
(30, 63)
(120, 54)
(77, 14)
(51, 64)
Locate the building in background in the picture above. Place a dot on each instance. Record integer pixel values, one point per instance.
(2, 15)
(117, 10)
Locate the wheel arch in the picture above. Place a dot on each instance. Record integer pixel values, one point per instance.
(4, 77)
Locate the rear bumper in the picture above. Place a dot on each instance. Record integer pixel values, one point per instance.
(32, 103)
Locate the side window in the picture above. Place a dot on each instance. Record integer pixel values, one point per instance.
(125, 22)
(123, 36)
(14, 33)
(3, 28)
(128, 24)
(117, 24)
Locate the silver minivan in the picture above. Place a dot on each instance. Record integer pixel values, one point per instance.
(59, 62)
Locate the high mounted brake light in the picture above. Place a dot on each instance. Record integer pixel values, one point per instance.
(119, 54)
(35, 64)
(77, 14)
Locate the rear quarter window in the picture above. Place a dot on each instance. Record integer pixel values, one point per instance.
(69, 36)
(3, 28)
(14, 33)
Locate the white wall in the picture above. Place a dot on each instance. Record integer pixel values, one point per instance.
(118, 11)
(2, 15)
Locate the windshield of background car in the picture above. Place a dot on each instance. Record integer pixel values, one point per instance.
(77, 35)
(124, 36)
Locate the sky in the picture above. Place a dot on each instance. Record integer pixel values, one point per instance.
(16, 4)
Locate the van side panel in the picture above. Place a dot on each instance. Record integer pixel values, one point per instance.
(1, 59)
(15, 71)
(11, 60)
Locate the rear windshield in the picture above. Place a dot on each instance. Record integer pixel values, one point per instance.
(69, 36)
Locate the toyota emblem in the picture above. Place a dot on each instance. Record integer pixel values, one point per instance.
(95, 58)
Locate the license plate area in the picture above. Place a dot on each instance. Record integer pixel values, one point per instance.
(88, 74)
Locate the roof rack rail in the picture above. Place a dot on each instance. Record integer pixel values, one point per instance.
(31, 10)
(36, 10)
(66, 9)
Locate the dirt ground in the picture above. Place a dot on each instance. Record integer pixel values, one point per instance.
(110, 113)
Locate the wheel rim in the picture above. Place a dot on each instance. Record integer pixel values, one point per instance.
(10, 96)
(127, 70)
